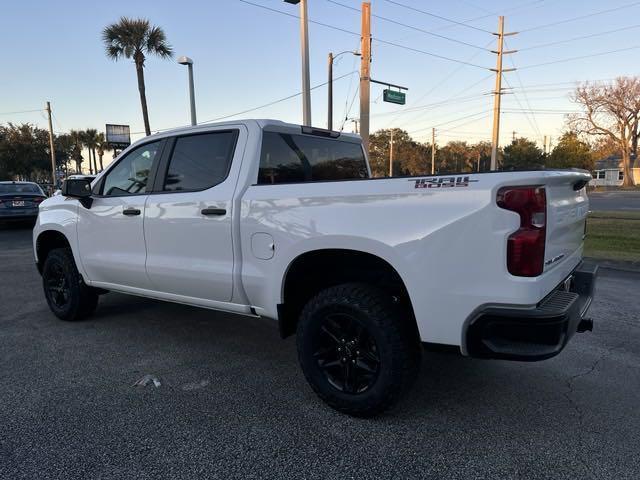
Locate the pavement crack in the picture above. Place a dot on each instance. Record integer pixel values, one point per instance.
(571, 390)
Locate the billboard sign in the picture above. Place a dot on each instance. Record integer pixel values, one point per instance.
(118, 136)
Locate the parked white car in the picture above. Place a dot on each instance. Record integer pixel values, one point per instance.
(279, 221)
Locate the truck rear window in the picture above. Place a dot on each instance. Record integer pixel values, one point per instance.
(288, 158)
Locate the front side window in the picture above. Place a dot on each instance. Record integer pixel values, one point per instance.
(287, 158)
(131, 175)
(200, 161)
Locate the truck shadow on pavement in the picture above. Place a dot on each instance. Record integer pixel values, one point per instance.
(246, 357)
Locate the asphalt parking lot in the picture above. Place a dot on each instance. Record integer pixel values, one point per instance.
(234, 404)
(628, 200)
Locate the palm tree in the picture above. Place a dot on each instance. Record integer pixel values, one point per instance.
(89, 139)
(78, 138)
(136, 38)
(101, 146)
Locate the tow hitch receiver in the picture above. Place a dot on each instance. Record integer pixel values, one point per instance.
(585, 325)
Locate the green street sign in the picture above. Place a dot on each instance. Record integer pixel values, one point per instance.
(393, 96)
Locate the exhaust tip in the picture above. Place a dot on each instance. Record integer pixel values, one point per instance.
(585, 325)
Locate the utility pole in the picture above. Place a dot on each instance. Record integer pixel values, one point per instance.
(497, 94)
(52, 149)
(330, 94)
(433, 151)
(355, 123)
(365, 73)
(544, 146)
(513, 136)
(391, 155)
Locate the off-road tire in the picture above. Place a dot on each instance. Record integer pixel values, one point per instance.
(391, 327)
(80, 300)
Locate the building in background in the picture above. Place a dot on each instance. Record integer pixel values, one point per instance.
(608, 172)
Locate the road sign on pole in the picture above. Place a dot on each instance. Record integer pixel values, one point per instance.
(392, 96)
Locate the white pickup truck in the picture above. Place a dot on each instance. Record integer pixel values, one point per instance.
(280, 221)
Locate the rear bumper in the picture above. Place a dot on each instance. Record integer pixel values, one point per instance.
(18, 213)
(536, 332)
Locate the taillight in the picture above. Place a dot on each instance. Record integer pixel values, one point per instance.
(525, 247)
(38, 200)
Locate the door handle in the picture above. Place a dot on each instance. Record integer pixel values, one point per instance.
(213, 211)
(131, 211)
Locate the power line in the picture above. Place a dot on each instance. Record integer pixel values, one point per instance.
(411, 27)
(483, 112)
(581, 17)
(455, 22)
(534, 124)
(540, 111)
(288, 97)
(456, 96)
(574, 39)
(379, 40)
(22, 111)
(347, 112)
(524, 93)
(273, 102)
(344, 30)
(442, 81)
(563, 60)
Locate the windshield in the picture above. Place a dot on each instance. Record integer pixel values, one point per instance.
(20, 188)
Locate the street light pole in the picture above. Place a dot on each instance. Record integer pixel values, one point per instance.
(304, 46)
(192, 96)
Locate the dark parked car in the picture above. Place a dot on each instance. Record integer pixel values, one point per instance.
(20, 200)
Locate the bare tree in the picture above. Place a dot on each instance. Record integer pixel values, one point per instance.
(611, 110)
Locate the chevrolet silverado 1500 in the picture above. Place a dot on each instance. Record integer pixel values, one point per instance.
(283, 222)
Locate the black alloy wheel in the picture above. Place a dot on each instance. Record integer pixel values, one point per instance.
(57, 286)
(346, 353)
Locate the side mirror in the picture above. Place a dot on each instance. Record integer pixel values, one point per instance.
(76, 188)
(79, 188)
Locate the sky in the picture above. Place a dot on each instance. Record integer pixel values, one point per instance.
(246, 56)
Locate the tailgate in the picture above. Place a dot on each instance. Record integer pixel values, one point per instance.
(567, 208)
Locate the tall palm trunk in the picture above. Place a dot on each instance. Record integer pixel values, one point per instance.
(100, 154)
(95, 162)
(143, 95)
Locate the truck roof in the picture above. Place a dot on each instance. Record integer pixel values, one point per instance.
(263, 123)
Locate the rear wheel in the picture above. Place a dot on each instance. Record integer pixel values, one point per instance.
(356, 349)
(66, 293)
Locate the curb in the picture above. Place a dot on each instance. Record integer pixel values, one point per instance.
(625, 266)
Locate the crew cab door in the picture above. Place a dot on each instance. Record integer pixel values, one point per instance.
(188, 221)
(110, 232)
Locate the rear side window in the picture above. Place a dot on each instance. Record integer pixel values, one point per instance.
(200, 161)
(287, 158)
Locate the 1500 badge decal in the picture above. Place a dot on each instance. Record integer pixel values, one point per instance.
(441, 182)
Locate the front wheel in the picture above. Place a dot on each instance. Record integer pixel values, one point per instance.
(67, 295)
(356, 349)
